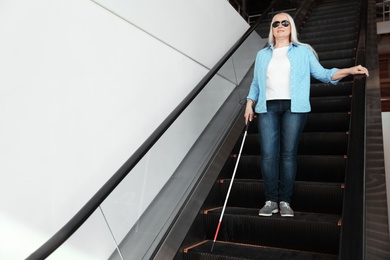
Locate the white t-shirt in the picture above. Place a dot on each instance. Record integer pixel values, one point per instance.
(278, 75)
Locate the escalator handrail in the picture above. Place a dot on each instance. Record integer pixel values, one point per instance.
(87, 210)
(353, 228)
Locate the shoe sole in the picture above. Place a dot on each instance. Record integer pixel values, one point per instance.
(287, 215)
(268, 215)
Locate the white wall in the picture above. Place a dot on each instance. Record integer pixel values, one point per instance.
(180, 24)
(81, 89)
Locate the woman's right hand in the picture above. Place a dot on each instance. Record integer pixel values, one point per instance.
(249, 114)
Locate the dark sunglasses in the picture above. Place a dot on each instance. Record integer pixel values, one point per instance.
(285, 23)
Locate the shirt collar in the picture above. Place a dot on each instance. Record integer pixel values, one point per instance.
(271, 46)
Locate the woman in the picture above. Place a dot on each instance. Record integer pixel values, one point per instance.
(280, 93)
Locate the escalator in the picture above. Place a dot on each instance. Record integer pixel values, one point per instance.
(315, 230)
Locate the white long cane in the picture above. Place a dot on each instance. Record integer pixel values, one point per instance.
(230, 187)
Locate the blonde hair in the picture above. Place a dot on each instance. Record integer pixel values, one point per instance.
(293, 34)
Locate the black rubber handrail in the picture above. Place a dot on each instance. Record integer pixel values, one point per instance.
(353, 227)
(86, 211)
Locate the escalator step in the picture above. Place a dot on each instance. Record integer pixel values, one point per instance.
(314, 143)
(327, 122)
(309, 168)
(234, 251)
(308, 196)
(330, 34)
(337, 54)
(343, 88)
(329, 9)
(329, 113)
(316, 24)
(352, 37)
(305, 231)
(330, 104)
(332, 16)
(321, 168)
(345, 20)
(323, 143)
(339, 63)
(318, 197)
(319, 122)
(323, 47)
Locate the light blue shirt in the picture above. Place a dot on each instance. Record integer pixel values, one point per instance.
(303, 64)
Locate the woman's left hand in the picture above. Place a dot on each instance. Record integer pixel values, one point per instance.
(359, 69)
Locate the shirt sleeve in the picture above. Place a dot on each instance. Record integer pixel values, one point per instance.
(254, 88)
(319, 72)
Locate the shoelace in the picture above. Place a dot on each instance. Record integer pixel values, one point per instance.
(285, 204)
(268, 204)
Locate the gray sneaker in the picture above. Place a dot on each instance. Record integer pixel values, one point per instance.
(285, 209)
(269, 208)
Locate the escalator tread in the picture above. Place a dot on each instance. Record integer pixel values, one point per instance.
(226, 250)
(315, 197)
(316, 232)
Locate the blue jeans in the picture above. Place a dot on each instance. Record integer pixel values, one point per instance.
(279, 134)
